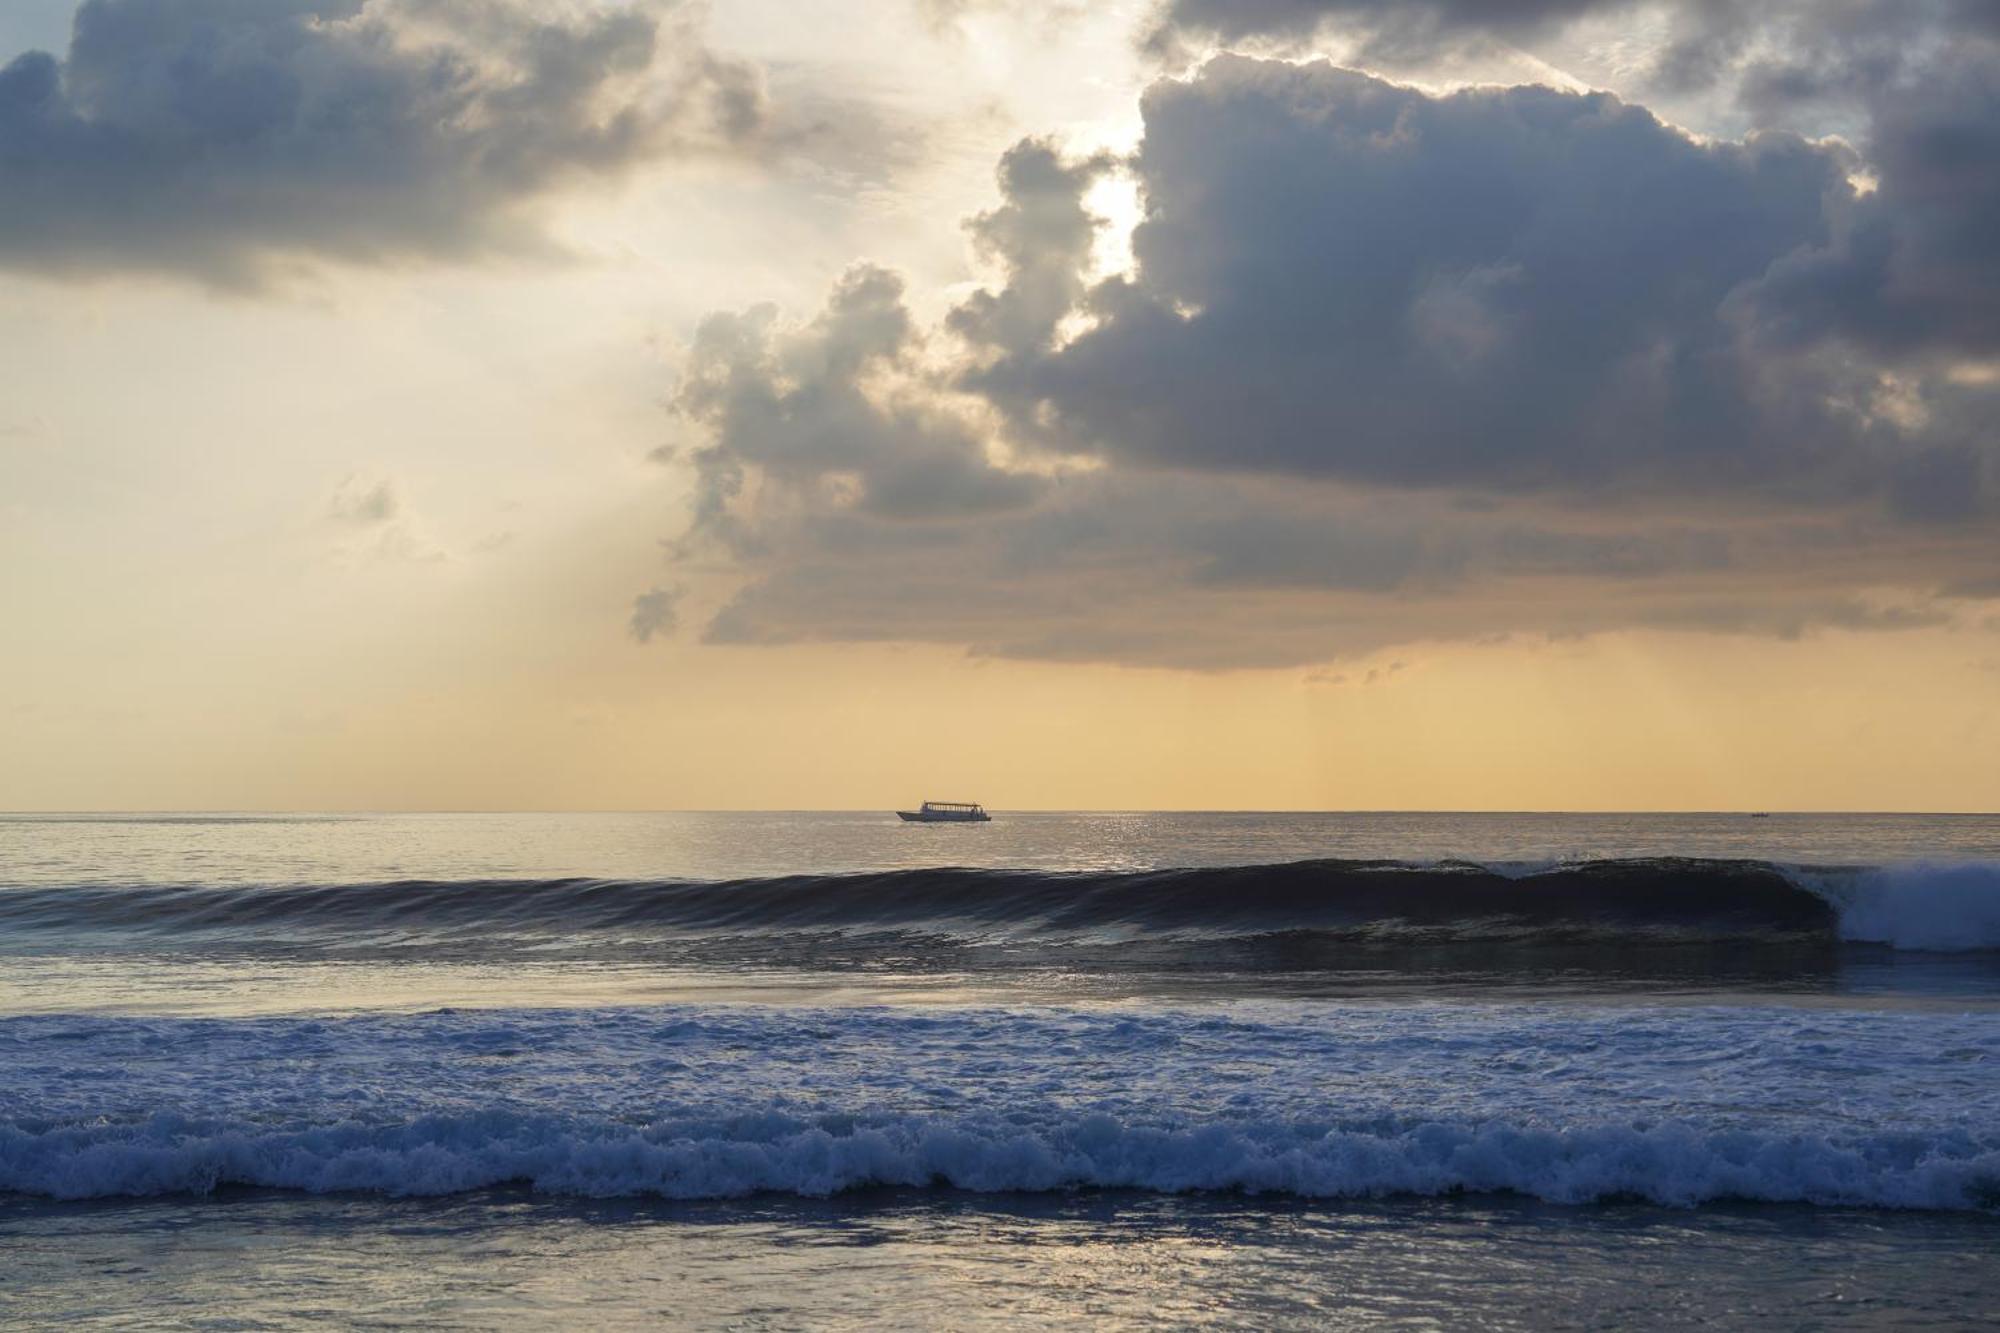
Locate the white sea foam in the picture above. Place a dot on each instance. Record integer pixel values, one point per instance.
(1921, 906)
(1562, 1103)
(1671, 1164)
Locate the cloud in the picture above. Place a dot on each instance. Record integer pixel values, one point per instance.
(34, 427)
(839, 414)
(1384, 28)
(1391, 366)
(653, 614)
(224, 138)
(363, 503)
(1912, 267)
(1778, 63)
(1212, 572)
(378, 527)
(1041, 239)
(1915, 265)
(1512, 288)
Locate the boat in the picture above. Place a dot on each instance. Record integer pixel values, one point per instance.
(945, 812)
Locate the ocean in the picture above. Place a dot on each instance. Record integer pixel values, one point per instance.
(828, 1069)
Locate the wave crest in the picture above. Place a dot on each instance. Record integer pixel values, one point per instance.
(1661, 900)
(1930, 907)
(1672, 1164)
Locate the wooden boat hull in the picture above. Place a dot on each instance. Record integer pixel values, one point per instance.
(932, 817)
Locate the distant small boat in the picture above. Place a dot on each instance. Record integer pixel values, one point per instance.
(1759, 814)
(945, 812)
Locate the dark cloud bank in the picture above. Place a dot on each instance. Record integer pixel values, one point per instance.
(1390, 365)
(1395, 366)
(221, 137)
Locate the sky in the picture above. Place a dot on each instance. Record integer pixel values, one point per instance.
(1219, 404)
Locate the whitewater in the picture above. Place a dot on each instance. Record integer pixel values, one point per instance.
(1677, 1107)
(1520, 1071)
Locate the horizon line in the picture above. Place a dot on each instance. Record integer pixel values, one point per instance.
(362, 811)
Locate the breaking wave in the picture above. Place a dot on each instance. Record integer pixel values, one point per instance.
(1675, 1164)
(1566, 1103)
(1942, 907)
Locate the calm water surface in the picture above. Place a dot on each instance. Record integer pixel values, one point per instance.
(281, 849)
